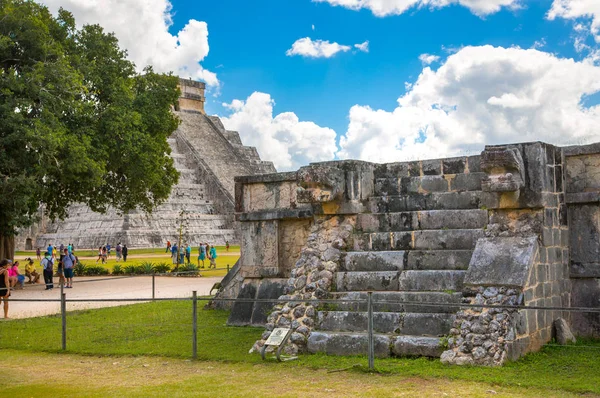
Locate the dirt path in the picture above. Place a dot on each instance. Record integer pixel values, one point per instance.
(105, 287)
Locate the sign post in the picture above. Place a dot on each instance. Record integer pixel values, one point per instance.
(277, 339)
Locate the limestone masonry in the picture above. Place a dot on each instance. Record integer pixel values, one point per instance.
(517, 225)
(207, 156)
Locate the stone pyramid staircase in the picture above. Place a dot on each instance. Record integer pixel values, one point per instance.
(414, 247)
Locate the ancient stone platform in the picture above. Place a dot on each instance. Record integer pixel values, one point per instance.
(515, 226)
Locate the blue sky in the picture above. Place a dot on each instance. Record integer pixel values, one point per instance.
(523, 70)
(247, 49)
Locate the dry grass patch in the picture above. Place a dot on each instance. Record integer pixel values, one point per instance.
(77, 375)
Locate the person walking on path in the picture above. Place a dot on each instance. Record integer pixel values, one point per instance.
(124, 250)
(188, 253)
(227, 245)
(168, 246)
(69, 262)
(50, 249)
(119, 250)
(30, 271)
(201, 254)
(48, 265)
(70, 247)
(60, 272)
(4, 285)
(38, 253)
(212, 256)
(99, 255)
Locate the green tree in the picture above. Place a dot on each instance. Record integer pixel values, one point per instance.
(77, 123)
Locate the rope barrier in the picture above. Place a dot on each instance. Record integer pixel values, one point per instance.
(323, 301)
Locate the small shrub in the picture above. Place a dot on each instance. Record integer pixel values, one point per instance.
(129, 270)
(189, 270)
(118, 270)
(79, 269)
(96, 270)
(162, 268)
(145, 268)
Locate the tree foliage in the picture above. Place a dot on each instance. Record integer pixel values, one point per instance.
(77, 123)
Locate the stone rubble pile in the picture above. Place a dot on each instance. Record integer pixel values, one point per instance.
(311, 279)
(480, 336)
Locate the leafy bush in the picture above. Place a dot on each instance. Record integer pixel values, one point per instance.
(189, 270)
(145, 268)
(162, 268)
(117, 270)
(79, 269)
(96, 270)
(129, 270)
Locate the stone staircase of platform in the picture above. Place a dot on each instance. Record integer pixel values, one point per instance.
(414, 247)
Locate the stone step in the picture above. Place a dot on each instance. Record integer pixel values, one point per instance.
(399, 281)
(429, 183)
(344, 343)
(428, 201)
(452, 239)
(407, 260)
(423, 302)
(430, 324)
(421, 220)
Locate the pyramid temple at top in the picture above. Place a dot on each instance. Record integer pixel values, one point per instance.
(207, 156)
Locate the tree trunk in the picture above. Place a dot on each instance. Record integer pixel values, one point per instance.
(7, 247)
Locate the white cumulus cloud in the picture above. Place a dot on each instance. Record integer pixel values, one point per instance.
(364, 46)
(285, 140)
(142, 28)
(480, 95)
(578, 9)
(307, 47)
(382, 8)
(428, 59)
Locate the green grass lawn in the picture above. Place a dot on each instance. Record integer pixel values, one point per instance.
(154, 250)
(163, 329)
(139, 256)
(222, 262)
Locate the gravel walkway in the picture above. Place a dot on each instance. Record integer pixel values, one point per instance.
(105, 287)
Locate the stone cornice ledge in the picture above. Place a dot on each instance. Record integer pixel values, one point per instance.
(265, 178)
(278, 214)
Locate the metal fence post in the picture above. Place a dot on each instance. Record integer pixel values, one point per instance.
(371, 345)
(195, 325)
(153, 285)
(63, 313)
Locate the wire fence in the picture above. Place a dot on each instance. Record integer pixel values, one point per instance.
(148, 329)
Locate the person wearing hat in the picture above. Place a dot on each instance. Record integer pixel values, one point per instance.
(4, 285)
(30, 271)
(48, 265)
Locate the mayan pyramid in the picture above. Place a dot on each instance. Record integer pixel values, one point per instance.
(207, 156)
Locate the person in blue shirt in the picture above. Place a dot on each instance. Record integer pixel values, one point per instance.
(174, 253)
(68, 262)
(188, 253)
(51, 249)
(212, 256)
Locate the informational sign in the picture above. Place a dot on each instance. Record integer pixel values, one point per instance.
(277, 336)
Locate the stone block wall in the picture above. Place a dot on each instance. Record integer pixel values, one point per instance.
(537, 208)
(583, 200)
